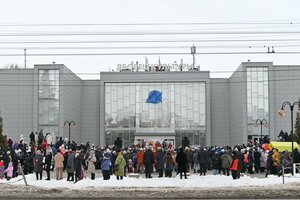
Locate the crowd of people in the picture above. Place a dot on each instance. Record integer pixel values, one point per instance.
(79, 161)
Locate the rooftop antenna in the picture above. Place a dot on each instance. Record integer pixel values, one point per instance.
(273, 51)
(25, 61)
(193, 52)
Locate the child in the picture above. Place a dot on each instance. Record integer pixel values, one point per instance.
(130, 166)
(9, 171)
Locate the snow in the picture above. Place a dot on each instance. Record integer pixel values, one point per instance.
(193, 181)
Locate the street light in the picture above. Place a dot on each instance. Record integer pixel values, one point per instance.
(262, 122)
(282, 113)
(70, 123)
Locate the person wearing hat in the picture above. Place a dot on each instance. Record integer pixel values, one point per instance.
(121, 163)
(38, 165)
(91, 161)
(148, 162)
(160, 162)
(182, 162)
(70, 166)
(59, 159)
(234, 165)
(48, 161)
(105, 165)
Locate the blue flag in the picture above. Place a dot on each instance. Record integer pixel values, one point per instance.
(154, 97)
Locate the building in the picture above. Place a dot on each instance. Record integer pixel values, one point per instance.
(208, 111)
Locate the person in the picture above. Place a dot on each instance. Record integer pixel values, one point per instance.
(140, 158)
(160, 162)
(9, 171)
(78, 167)
(269, 163)
(120, 161)
(91, 161)
(234, 165)
(225, 162)
(215, 163)
(70, 166)
(32, 141)
(296, 156)
(203, 161)
(169, 162)
(148, 161)
(59, 159)
(38, 165)
(105, 165)
(257, 156)
(182, 162)
(48, 161)
(196, 162)
(250, 162)
(276, 161)
(1, 169)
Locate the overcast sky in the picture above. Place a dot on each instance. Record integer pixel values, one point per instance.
(265, 16)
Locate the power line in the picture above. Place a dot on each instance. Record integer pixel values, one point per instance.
(144, 53)
(147, 33)
(289, 22)
(143, 47)
(152, 41)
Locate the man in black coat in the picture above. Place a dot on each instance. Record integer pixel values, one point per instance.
(148, 161)
(32, 138)
(203, 161)
(48, 161)
(182, 162)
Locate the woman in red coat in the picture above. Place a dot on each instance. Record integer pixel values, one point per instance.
(234, 165)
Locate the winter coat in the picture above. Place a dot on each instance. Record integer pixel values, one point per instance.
(182, 162)
(262, 160)
(148, 157)
(168, 160)
(91, 163)
(106, 163)
(257, 158)
(276, 159)
(78, 164)
(216, 162)
(296, 156)
(159, 160)
(71, 163)
(59, 159)
(48, 161)
(225, 160)
(38, 163)
(9, 170)
(202, 157)
(195, 158)
(140, 157)
(122, 163)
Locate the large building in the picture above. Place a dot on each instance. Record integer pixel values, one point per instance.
(208, 111)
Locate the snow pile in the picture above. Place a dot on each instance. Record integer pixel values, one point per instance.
(194, 181)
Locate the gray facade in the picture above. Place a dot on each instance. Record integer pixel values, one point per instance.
(209, 111)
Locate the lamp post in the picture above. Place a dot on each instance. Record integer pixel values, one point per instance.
(261, 122)
(69, 123)
(282, 113)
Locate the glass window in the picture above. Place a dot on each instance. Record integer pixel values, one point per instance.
(48, 101)
(257, 97)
